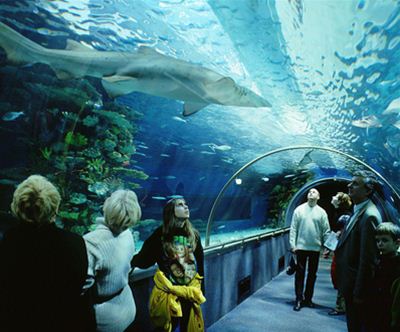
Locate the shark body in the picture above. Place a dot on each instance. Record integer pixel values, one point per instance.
(145, 71)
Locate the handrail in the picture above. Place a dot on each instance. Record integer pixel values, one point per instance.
(242, 241)
(296, 147)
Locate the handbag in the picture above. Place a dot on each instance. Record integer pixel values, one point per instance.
(291, 269)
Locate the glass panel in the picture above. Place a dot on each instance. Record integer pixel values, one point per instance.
(256, 199)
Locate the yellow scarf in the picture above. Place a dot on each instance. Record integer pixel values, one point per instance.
(164, 302)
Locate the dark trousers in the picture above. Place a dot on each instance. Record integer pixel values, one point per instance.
(313, 259)
(358, 316)
(184, 320)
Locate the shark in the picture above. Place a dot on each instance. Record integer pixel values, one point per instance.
(144, 70)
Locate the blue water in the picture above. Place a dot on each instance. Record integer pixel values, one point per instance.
(329, 68)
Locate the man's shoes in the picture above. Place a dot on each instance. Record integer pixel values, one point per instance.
(308, 304)
(334, 312)
(297, 306)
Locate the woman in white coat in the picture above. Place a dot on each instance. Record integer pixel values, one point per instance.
(110, 250)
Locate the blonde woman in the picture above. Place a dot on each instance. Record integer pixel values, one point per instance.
(342, 203)
(110, 250)
(43, 268)
(177, 250)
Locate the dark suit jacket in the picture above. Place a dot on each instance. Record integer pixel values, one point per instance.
(356, 253)
(42, 271)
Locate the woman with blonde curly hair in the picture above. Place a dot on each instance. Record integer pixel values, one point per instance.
(43, 268)
(179, 284)
(110, 250)
(342, 204)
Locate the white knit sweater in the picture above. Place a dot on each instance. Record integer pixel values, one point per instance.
(109, 264)
(309, 228)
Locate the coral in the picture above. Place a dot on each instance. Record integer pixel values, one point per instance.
(70, 136)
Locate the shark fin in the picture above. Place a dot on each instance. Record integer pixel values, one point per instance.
(119, 85)
(73, 45)
(191, 108)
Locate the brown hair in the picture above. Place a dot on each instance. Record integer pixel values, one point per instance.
(169, 226)
(388, 228)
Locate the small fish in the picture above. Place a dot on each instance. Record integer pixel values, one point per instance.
(265, 179)
(394, 107)
(227, 160)
(165, 155)
(175, 196)
(370, 121)
(8, 182)
(214, 147)
(99, 188)
(98, 105)
(169, 177)
(158, 198)
(392, 145)
(222, 147)
(177, 118)
(289, 176)
(11, 116)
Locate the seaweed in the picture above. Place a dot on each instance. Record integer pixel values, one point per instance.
(67, 133)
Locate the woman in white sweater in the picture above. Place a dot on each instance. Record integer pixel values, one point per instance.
(110, 250)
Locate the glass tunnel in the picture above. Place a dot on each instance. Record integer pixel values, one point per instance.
(265, 191)
(61, 118)
(240, 107)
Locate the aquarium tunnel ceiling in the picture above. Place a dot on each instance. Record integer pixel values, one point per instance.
(320, 73)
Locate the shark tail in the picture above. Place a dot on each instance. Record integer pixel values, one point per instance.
(19, 49)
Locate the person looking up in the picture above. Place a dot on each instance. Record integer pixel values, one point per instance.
(179, 284)
(308, 232)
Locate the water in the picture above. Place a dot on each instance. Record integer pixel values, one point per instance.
(331, 82)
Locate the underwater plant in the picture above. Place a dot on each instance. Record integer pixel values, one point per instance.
(280, 196)
(84, 146)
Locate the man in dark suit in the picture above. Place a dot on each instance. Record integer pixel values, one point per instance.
(357, 251)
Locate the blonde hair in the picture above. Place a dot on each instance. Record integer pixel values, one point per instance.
(344, 200)
(121, 210)
(36, 200)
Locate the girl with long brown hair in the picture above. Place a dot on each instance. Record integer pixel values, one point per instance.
(176, 248)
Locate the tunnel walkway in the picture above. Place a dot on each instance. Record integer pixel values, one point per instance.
(270, 308)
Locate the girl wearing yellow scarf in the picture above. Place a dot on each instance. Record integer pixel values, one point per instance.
(178, 290)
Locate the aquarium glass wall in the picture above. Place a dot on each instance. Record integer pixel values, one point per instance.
(171, 98)
(260, 197)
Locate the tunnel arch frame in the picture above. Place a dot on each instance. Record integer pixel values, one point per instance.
(267, 154)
